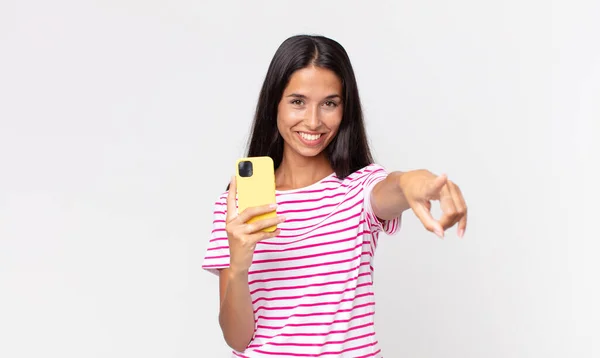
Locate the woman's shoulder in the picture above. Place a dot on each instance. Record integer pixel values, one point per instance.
(366, 172)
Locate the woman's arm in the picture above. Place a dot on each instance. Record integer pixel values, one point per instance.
(236, 315)
(387, 199)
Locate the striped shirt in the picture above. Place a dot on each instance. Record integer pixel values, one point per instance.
(312, 286)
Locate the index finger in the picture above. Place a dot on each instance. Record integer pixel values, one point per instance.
(449, 209)
(435, 187)
(231, 204)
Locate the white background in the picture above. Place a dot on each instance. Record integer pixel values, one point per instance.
(120, 122)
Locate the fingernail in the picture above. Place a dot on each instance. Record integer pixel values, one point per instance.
(439, 233)
(282, 218)
(273, 206)
(461, 233)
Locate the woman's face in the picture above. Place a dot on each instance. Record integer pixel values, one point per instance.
(310, 111)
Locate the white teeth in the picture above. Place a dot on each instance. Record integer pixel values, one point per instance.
(310, 136)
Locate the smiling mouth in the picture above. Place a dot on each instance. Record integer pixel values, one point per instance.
(310, 137)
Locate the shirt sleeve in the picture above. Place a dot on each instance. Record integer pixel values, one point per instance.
(216, 256)
(374, 174)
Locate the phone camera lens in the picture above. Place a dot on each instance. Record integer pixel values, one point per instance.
(245, 168)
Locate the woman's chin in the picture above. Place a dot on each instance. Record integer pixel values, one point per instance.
(307, 152)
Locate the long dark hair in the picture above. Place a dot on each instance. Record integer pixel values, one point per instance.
(349, 150)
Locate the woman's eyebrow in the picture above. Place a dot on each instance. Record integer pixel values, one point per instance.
(298, 95)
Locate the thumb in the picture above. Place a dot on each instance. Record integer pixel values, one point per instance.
(423, 212)
(231, 203)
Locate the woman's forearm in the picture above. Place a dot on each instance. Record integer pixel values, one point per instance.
(387, 198)
(236, 315)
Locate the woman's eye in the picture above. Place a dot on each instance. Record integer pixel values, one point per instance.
(297, 102)
(330, 104)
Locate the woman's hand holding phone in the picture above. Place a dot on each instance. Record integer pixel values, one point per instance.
(244, 236)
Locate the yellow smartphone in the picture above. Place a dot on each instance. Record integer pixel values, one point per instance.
(255, 179)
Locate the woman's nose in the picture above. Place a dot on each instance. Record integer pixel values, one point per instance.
(313, 120)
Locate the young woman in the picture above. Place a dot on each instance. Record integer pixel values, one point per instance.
(306, 289)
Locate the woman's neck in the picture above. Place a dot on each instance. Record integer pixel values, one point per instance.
(297, 171)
